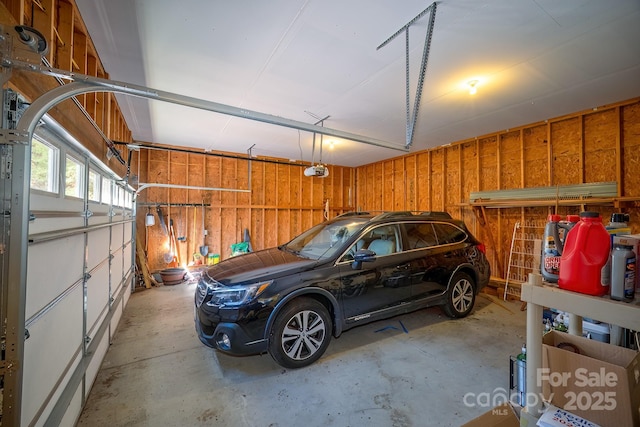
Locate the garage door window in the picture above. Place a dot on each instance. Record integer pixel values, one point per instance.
(45, 159)
(94, 186)
(74, 178)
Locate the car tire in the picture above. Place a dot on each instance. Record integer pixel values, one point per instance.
(461, 296)
(300, 334)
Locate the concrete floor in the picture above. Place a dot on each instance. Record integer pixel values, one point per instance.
(157, 373)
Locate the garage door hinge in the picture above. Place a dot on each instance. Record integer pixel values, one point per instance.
(86, 276)
(87, 339)
(87, 213)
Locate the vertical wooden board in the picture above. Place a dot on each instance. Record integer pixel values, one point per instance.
(565, 144)
(489, 164)
(270, 185)
(258, 187)
(178, 176)
(284, 226)
(242, 183)
(399, 194)
(510, 156)
(295, 223)
(424, 181)
(229, 179)
(306, 219)
(243, 221)
(317, 190)
(631, 150)
(410, 183)
(337, 183)
(306, 191)
(600, 138)
(348, 194)
(437, 180)
(213, 224)
(284, 194)
(366, 188)
(469, 169)
(229, 231)
(271, 231)
(257, 229)
(213, 178)
(196, 165)
(296, 175)
(65, 33)
(488, 234)
(452, 175)
(386, 191)
(536, 159)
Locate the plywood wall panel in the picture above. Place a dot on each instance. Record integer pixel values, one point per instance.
(437, 180)
(488, 163)
(410, 183)
(600, 138)
(469, 179)
(284, 185)
(271, 228)
(424, 181)
(270, 183)
(536, 156)
(257, 229)
(452, 173)
(510, 160)
(630, 122)
(566, 149)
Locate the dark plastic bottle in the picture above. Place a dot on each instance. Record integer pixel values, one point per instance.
(586, 250)
(555, 233)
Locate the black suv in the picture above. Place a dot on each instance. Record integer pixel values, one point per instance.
(345, 272)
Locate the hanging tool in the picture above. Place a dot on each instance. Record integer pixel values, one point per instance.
(204, 249)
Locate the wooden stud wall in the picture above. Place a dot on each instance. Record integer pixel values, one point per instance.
(597, 145)
(282, 202)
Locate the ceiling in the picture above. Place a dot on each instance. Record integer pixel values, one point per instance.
(307, 60)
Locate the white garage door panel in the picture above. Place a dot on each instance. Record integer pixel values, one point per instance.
(116, 268)
(96, 361)
(117, 314)
(116, 236)
(56, 337)
(73, 411)
(128, 231)
(98, 244)
(41, 225)
(97, 296)
(63, 259)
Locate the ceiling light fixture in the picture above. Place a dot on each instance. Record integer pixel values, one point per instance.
(473, 86)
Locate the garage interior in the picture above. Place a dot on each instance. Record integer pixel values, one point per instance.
(145, 136)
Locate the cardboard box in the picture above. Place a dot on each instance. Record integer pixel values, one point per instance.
(600, 382)
(556, 417)
(500, 416)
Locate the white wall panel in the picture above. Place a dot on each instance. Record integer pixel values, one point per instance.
(96, 361)
(52, 268)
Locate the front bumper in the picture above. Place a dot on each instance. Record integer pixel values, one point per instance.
(228, 337)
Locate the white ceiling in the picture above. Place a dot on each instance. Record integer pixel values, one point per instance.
(308, 59)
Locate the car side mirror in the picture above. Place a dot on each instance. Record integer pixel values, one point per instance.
(362, 255)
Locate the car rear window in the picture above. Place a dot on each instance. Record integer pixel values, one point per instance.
(420, 235)
(448, 233)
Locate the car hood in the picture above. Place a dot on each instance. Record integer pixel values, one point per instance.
(258, 266)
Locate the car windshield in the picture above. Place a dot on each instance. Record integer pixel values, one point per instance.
(325, 240)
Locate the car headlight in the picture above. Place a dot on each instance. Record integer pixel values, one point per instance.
(237, 295)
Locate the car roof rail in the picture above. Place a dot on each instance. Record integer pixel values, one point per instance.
(352, 213)
(391, 214)
(436, 214)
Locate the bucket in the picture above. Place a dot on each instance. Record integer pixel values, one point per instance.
(586, 250)
(172, 276)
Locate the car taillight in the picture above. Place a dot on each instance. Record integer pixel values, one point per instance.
(482, 248)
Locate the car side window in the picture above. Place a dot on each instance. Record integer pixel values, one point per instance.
(420, 235)
(448, 233)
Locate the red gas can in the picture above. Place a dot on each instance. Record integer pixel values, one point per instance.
(586, 249)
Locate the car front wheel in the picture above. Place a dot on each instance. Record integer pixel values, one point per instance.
(300, 333)
(461, 296)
